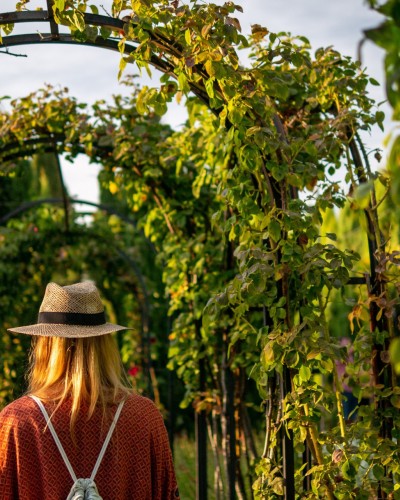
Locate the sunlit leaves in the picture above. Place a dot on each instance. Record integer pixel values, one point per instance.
(234, 201)
(59, 4)
(395, 354)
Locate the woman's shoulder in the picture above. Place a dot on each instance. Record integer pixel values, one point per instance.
(21, 406)
(136, 402)
(143, 409)
(19, 413)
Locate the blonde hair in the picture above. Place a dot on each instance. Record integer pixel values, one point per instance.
(84, 370)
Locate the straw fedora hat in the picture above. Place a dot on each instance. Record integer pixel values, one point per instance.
(70, 311)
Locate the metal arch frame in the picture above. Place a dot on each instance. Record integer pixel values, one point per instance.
(55, 201)
(45, 16)
(46, 144)
(31, 142)
(62, 38)
(24, 207)
(115, 24)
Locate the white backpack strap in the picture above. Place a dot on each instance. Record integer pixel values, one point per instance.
(60, 446)
(55, 437)
(107, 440)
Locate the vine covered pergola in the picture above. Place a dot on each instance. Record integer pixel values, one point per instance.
(235, 203)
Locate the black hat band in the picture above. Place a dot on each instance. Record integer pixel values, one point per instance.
(68, 318)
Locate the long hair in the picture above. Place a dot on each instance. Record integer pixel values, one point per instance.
(84, 370)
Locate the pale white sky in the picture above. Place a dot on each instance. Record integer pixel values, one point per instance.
(91, 73)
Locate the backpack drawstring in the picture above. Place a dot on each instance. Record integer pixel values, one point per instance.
(84, 489)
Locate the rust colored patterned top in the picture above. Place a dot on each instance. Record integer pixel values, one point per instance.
(137, 464)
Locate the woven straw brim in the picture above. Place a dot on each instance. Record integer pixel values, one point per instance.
(68, 331)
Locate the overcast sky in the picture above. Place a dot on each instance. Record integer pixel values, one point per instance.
(91, 73)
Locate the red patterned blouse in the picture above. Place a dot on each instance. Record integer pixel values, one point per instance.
(137, 464)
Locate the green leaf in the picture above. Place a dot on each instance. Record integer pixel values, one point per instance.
(348, 470)
(362, 194)
(183, 83)
(235, 114)
(267, 356)
(117, 6)
(59, 4)
(205, 29)
(105, 32)
(380, 116)
(8, 28)
(210, 87)
(395, 401)
(292, 359)
(78, 20)
(394, 351)
(274, 230)
(209, 68)
(122, 66)
(304, 373)
(277, 486)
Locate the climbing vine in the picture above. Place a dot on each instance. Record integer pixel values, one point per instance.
(236, 204)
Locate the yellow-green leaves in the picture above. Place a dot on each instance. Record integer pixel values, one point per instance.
(7, 29)
(258, 32)
(74, 18)
(21, 5)
(78, 20)
(122, 66)
(274, 230)
(117, 6)
(304, 373)
(395, 354)
(188, 37)
(348, 470)
(59, 4)
(362, 194)
(183, 83)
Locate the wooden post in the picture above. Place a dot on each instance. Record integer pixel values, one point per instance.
(201, 441)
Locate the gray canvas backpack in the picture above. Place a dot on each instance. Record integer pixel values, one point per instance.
(82, 489)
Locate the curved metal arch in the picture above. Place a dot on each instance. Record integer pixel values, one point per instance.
(43, 16)
(35, 38)
(55, 36)
(49, 144)
(24, 207)
(27, 152)
(31, 142)
(108, 22)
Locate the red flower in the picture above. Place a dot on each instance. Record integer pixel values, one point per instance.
(134, 370)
